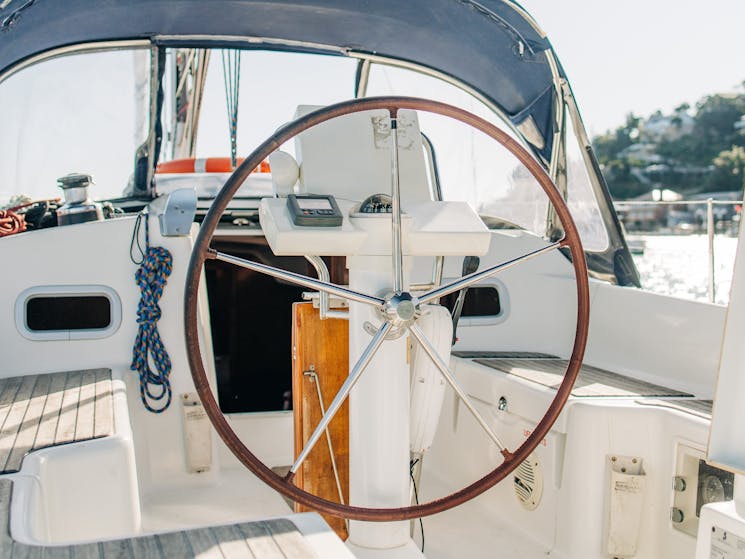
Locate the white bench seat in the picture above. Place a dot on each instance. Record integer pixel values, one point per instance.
(278, 537)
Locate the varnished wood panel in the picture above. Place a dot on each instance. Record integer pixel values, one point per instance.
(323, 344)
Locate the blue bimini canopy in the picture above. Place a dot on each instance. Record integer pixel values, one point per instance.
(490, 45)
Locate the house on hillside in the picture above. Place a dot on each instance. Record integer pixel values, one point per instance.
(659, 127)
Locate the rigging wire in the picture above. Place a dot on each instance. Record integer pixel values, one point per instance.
(231, 70)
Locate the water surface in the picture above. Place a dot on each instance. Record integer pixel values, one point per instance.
(678, 265)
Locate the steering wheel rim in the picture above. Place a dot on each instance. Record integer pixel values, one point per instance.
(202, 252)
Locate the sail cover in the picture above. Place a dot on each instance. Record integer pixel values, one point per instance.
(487, 44)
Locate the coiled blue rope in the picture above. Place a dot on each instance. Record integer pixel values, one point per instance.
(155, 266)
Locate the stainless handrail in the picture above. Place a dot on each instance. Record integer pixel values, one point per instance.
(675, 202)
(710, 226)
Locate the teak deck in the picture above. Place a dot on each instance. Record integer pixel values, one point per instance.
(39, 411)
(591, 381)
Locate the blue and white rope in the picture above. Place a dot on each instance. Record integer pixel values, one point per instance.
(151, 276)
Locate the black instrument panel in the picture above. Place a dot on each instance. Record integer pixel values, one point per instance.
(314, 210)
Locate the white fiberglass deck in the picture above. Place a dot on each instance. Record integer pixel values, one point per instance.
(278, 537)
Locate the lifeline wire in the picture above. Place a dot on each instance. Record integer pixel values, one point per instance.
(151, 277)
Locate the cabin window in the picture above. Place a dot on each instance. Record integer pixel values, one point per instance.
(68, 312)
(480, 301)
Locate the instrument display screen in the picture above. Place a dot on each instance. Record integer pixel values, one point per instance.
(314, 210)
(314, 204)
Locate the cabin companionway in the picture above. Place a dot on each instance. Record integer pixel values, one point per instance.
(335, 279)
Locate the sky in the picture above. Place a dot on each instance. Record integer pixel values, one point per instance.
(643, 55)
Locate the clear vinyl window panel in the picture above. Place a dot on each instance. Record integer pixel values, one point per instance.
(271, 85)
(472, 167)
(581, 198)
(82, 113)
(476, 169)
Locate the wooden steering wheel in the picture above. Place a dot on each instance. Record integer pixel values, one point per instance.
(400, 310)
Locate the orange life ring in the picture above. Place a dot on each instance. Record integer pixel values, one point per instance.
(204, 165)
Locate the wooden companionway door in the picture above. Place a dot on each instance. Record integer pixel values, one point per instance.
(320, 347)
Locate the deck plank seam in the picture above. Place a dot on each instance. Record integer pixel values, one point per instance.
(9, 431)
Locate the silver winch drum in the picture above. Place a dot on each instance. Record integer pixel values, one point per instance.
(78, 207)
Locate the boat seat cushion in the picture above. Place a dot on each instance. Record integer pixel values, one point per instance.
(350, 156)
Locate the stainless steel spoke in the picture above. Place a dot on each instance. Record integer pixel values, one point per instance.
(470, 279)
(299, 279)
(396, 249)
(440, 364)
(354, 376)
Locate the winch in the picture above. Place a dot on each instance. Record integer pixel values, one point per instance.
(78, 206)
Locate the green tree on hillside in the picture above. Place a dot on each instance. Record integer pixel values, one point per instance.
(611, 143)
(709, 155)
(616, 168)
(729, 169)
(713, 132)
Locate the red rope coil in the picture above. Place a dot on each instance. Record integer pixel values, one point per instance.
(11, 223)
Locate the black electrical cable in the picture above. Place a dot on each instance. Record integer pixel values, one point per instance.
(136, 242)
(416, 496)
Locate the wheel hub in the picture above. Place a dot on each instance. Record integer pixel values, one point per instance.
(400, 309)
